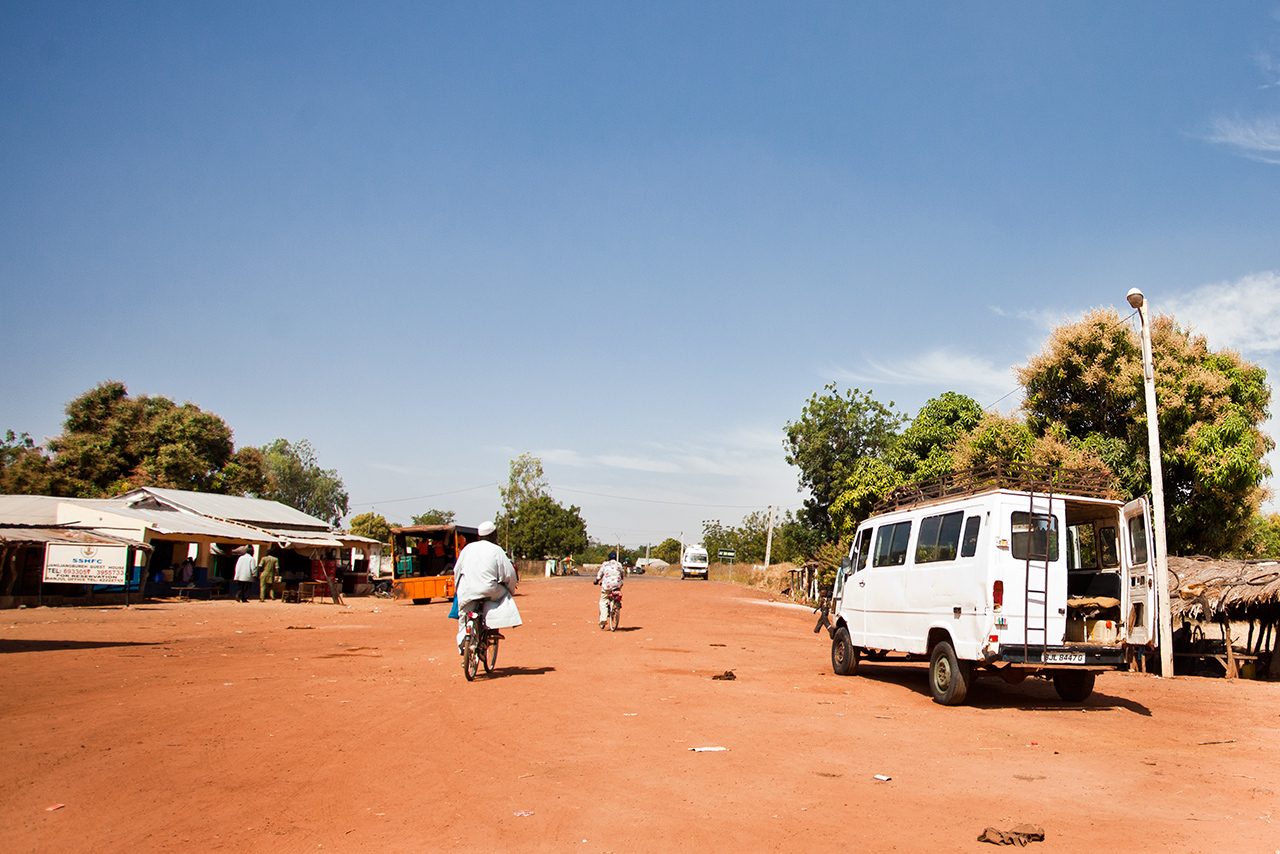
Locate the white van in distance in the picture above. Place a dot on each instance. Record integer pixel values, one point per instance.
(972, 573)
(693, 561)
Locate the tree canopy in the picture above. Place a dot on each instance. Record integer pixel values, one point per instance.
(541, 527)
(435, 517)
(532, 524)
(1085, 408)
(1087, 385)
(833, 433)
(921, 451)
(525, 483)
(294, 477)
(372, 525)
(668, 550)
(111, 443)
(792, 539)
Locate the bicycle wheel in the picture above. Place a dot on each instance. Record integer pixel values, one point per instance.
(470, 657)
(615, 611)
(490, 655)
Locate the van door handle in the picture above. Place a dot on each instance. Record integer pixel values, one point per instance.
(862, 584)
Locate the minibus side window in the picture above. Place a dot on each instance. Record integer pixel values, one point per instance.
(1107, 547)
(1138, 536)
(863, 550)
(891, 544)
(971, 526)
(1039, 530)
(939, 538)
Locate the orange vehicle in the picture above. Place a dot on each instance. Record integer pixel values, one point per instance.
(425, 555)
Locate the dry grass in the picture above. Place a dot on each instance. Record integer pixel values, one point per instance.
(774, 579)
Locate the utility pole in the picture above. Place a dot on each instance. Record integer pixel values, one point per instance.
(1161, 562)
(768, 542)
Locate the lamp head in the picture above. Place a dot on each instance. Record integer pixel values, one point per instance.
(1135, 298)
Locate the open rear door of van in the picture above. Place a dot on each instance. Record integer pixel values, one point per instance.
(1138, 590)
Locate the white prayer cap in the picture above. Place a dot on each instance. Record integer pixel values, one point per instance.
(486, 528)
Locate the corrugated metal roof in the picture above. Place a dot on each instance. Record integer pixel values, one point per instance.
(292, 540)
(254, 511)
(55, 534)
(178, 522)
(29, 509)
(354, 538)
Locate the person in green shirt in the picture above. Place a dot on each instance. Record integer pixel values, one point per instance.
(267, 570)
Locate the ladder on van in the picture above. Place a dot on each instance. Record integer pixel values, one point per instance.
(1036, 580)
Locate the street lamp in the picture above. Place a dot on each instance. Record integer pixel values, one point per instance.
(1161, 564)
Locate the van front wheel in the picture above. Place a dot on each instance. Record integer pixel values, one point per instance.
(948, 676)
(844, 655)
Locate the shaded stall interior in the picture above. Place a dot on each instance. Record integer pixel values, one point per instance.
(429, 550)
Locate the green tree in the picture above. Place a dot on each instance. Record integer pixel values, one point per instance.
(668, 550)
(111, 443)
(371, 525)
(294, 477)
(833, 433)
(26, 470)
(923, 450)
(541, 528)
(525, 483)
(1263, 540)
(793, 540)
(1086, 388)
(435, 517)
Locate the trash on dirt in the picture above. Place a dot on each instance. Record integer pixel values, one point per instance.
(523, 813)
(1228, 741)
(1022, 835)
(54, 807)
(307, 627)
(727, 676)
(717, 644)
(707, 749)
(882, 778)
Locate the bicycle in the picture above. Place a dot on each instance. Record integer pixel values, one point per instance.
(615, 609)
(382, 590)
(479, 646)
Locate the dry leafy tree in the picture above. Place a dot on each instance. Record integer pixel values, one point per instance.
(111, 443)
(1085, 388)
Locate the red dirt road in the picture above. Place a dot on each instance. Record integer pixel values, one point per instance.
(212, 726)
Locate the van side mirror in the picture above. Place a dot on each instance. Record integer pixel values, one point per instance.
(845, 564)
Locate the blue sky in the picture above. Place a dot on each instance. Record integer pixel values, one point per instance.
(629, 238)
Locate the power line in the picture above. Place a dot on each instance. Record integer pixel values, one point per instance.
(423, 497)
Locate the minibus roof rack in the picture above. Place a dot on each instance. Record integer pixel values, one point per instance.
(1019, 477)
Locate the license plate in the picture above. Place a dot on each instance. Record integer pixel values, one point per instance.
(1063, 658)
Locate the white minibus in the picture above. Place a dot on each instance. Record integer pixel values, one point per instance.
(973, 573)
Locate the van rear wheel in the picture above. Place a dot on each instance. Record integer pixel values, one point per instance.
(948, 676)
(844, 655)
(1074, 686)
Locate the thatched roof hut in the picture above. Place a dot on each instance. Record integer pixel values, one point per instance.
(1217, 590)
(1223, 592)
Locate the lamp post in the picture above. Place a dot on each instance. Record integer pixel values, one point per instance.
(1161, 563)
